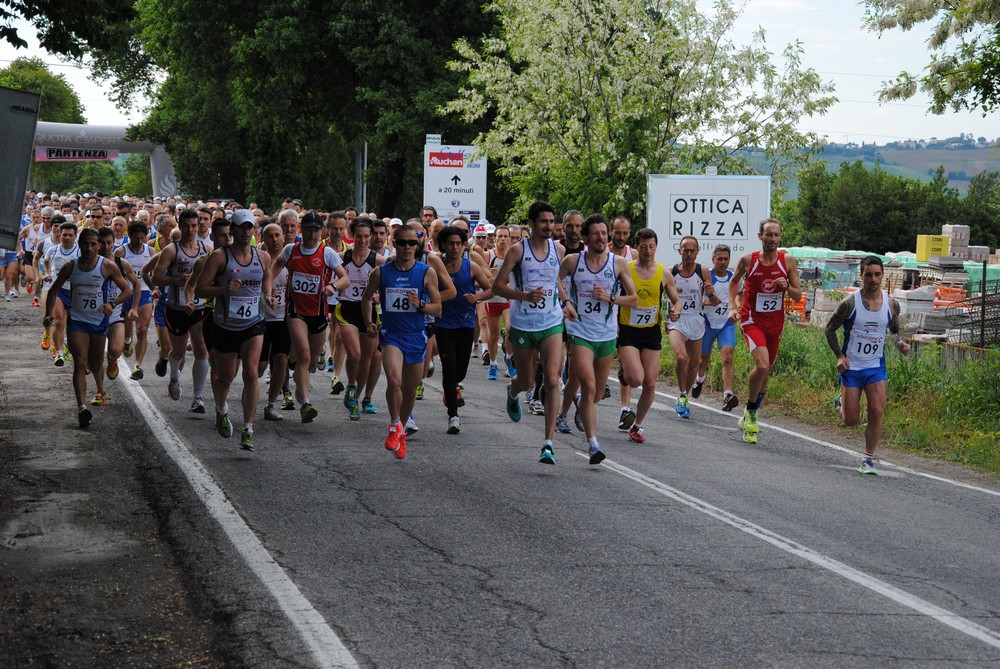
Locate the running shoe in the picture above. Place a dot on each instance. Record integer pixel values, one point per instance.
(411, 426)
(351, 397)
(749, 421)
(136, 373)
(626, 418)
(336, 386)
(174, 389)
(100, 399)
(730, 402)
(536, 408)
(530, 395)
(486, 357)
(493, 373)
(513, 407)
(28, 286)
(127, 350)
(696, 389)
(420, 392)
(112, 368)
(270, 413)
(161, 367)
(197, 405)
(577, 418)
(6, 297)
(66, 354)
(329, 361)
(400, 452)
(59, 360)
(287, 403)
(308, 412)
(392, 438)
(246, 440)
(868, 466)
(15, 293)
(562, 426)
(682, 408)
(35, 302)
(223, 426)
(509, 364)
(453, 425)
(635, 434)
(367, 406)
(547, 457)
(354, 411)
(430, 369)
(596, 455)
(84, 417)
(46, 341)
(837, 402)
(607, 391)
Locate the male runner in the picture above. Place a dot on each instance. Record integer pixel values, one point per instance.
(600, 283)
(118, 317)
(865, 316)
(769, 274)
(718, 328)
(495, 308)
(137, 252)
(56, 257)
(536, 319)
(277, 341)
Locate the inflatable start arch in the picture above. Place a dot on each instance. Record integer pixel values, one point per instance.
(72, 141)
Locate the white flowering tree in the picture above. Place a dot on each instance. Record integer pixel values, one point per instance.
(587, 97)
(964, 67)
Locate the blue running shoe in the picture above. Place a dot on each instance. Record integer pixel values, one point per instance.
(682, 408)
(509, 364)
(367, 406)
(493, 373)
(513, 407)
(547, 457)
(868, 466)
(562, 425)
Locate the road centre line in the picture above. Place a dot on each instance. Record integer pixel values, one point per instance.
(323, 643)
(891, 592)
(837, 447)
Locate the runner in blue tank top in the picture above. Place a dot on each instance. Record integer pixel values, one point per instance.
(408, 291)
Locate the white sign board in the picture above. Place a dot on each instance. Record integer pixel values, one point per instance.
(714, 209)
(453, 183)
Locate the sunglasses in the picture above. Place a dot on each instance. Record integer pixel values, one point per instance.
(407, 242)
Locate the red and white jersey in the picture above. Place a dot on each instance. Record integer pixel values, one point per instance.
(763, 302)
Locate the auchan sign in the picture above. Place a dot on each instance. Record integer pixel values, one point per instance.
(445, 159)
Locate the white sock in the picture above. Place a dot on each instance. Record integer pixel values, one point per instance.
(199, 372)
(175, 369)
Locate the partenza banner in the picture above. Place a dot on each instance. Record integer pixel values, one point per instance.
(52, 154)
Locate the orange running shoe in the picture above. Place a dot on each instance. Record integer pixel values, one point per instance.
(401, 451)
(35, 302)
(392, 439)
(100, 399)
(47, 342)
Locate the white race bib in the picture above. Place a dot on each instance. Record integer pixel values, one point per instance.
(244, 307)
(643, 316)
(305, 284)
(87, 300)
(397, 301)
(768, 302)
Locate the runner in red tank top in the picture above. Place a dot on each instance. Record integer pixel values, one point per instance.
(768, 275)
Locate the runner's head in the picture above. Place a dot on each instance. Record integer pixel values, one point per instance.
(871, 270)
(621, 229)
(451, 241)
(106, 236)
(312, 229)
(187, 222)
(770, 234)
(289, 222)
(405, 241)
(336, 226)
(572, 228)
(595, 233)
(646, 242)
(273, 237)
(89, 244)
(503, 239)
(138, 232)
(688, 249)
(361, 231)
(222, 233)
(67, 231)
(721, 255)
(243, 226)
(542, 217)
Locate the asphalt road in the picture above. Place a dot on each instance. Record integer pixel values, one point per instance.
(692, 550)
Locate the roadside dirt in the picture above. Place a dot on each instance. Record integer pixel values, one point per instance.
(88, 576)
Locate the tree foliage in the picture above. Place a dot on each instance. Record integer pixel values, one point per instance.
(587, 97)
(64, 27)
(964, 67)
(872, 210)
(273, 102)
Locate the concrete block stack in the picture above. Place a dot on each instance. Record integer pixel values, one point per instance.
(959, 237)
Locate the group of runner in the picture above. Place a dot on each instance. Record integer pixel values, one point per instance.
(561, 298)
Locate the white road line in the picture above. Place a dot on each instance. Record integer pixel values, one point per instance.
(326, 647)
(827, 444)
(897, 595)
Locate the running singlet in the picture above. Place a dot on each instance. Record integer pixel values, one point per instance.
(240, 309)
(864, 334)
(183, 263)
(718, 316)
(138, 260)
(111, 291)
(88, 294)
(458, 312)
(493, 262)
(597, 320)
(533, 273)
(650, 291)
(308, 275)
(399, 315)
(691, 290)
(763, 303)
(277, 313)
(358, 274)
(57, 256)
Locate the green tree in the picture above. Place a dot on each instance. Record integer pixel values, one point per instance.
(100, 176)
(64, 27)
(587, 97)
(59, 103)
(138, 178)
(982, 209)
(964, 67)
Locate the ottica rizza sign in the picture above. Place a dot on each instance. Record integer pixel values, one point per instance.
(714, 209)
(454, 182)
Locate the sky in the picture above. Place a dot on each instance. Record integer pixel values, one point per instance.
(836, 44)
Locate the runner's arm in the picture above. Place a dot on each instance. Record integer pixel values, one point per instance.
(840, 314)
(432, 307)
(371, 289)
(627, 294)
(711, 297)
(500, 285)
(484, 279)
(734, 286)
(794, 289)
(448, 290)
(50, 299)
